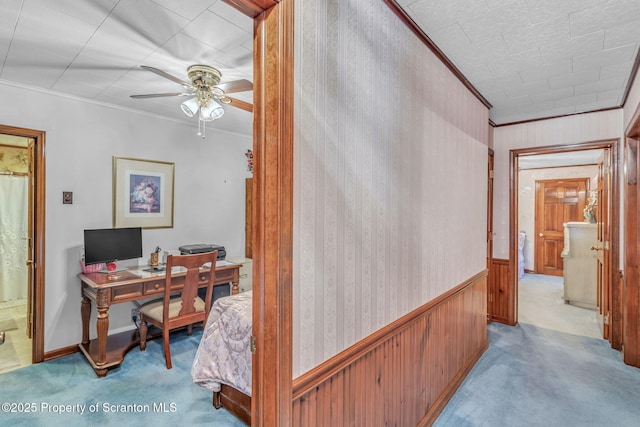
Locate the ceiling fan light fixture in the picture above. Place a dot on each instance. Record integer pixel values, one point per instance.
(190, 106)
(211, 112)
(207, 95)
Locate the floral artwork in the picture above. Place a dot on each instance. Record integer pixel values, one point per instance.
(142, 193)
(145, 194)
(249, 155)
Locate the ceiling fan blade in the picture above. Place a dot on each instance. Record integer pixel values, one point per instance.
(167, 76)
(159, 95)
(227, 100)
(236, 86)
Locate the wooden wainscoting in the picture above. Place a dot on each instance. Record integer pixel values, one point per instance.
(498, 295)
(403, 374)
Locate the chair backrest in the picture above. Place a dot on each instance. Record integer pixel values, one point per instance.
(189, 291)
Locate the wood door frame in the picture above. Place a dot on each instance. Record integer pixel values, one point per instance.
(631, 304)
(612, 144)
(272, 208)
(37, 287)
(490, 168)
(536, 230)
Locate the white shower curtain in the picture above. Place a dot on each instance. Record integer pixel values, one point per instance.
(13, 232)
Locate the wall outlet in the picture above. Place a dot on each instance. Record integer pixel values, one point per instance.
(135, 314)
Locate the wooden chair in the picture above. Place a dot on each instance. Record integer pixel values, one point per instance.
(184, 307)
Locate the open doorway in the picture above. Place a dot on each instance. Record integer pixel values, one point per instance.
(22, 297)
(526, 277)
(15, 283)
(553, 191)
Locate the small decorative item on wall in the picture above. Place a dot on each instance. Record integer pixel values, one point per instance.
(142, 193)
(249, 155)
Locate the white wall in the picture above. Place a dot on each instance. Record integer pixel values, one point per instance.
(527, 194)
(565, 130)
(390, 174)
(81, 140)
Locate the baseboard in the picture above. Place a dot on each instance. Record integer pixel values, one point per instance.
(61, 352)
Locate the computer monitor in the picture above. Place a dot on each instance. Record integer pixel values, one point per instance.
(112, 244)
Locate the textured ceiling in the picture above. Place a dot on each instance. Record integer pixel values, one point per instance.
(94, 49)
(529, 58)
(536, 58)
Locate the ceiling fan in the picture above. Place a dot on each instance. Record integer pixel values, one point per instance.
(207, 94)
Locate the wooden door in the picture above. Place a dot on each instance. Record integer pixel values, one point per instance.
(603, 258)
(557, 202)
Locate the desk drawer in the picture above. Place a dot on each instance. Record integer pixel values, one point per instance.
(154, 287)
(128, 292)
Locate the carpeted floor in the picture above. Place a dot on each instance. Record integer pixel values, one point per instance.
(540, 303)
(141, 392)
(532, 376)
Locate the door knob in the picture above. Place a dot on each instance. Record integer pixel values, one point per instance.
(596, 248)
(540, 234)
(29, 262)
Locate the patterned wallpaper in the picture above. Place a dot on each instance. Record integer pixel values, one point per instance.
(389, 176)
(564, 130)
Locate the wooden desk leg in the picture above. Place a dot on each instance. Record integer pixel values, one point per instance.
(102, 325)
(85, 311)
(235, 290)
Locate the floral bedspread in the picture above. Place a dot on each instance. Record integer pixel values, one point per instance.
(224, 356)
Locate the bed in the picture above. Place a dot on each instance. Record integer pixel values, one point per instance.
(223, 360)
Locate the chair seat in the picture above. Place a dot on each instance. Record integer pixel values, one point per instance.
(153, 310)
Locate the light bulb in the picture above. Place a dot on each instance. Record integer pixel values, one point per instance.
(190, 107)
(211, 112)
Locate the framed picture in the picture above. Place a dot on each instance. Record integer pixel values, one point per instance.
(142, 193)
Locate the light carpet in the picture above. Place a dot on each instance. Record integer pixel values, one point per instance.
(540, 303)
(532, 376)
(141, 392)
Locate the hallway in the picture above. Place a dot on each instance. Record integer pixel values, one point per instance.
(540, 304)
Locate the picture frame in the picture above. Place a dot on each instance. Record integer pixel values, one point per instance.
(142, 193)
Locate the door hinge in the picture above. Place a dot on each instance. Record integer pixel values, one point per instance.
(491, 174)
(490, 297)
(605, 319)
(252, 344)
(606, 245)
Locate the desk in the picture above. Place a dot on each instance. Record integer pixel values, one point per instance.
(106, 351)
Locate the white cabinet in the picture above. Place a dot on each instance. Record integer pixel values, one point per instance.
(580, 264)
(246, 272)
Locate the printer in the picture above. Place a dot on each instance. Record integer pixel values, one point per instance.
(200, 248)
